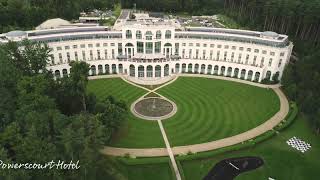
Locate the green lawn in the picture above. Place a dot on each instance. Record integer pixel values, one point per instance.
(281, 161)
(135, 133)
(210, 109)
(150, 172)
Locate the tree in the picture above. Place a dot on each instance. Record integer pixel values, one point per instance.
(72, 93)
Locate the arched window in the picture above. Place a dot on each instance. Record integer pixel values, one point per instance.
(158, 71)
(149, 71)
(166, 70)
(132, 71)
(196, 68)
(184, 66)
(57, 74)
(223, 69)
(168, 34)
(64, 72)
(250, 73)
(257, 76)
(93, 70)
(268, 75)
(128, 34)
(100, 70)
(203, 69)
(158, 34)
(120, 68)
(114, 69)
(243, 74)
(229, 72)
(236, 73)
(148, 35)
(138, 34)
(216, 69)
(177, 68)
(209, 70)
(129, 45)
(190, 68)
(107, 69)
(140, 71)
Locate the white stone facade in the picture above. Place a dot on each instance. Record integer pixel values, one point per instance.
(152, 51)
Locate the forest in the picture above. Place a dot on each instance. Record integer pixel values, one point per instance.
(27, 14)
(44, 120)
(58, 126)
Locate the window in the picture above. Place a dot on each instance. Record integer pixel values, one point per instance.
(256, 50)
(68, 57)
(212, 45)
(197, 53)
(59, 48)
(183, 53)
(264, 52)
(239, 58)
(97, 44)
(168, 34)
(198, 44)
(225, 56)
(67, 47)
(190, 44)
(76, 56)
(241, 48)
(75, 46)
(112, 53)
(120, 48)
(204, 45)
(105, 44)
(247, 59)
(226, 47)
(204, 54)
(282, 54)
(60, 58)
(272, 53)
(82, 45)
(219, 46)
(158, 34)
(254, 60)
(262, 62)
(140, 47)
(91, 55)
(148, 35)
(90, 45)
(138, 34)
(98, 54)
(105, 54)
(270, 61)
(249, 49)
(232, 56)
(176, 45)
(112, 44)
(157, 48)
(149, 47)
(280, 62)
(84, 55)
(128, 34)
(183, 44)
(234, 48)
(190, 53)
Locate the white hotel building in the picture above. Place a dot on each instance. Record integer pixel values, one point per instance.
(152, 49)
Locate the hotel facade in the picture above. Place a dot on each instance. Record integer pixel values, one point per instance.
(153, 49)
